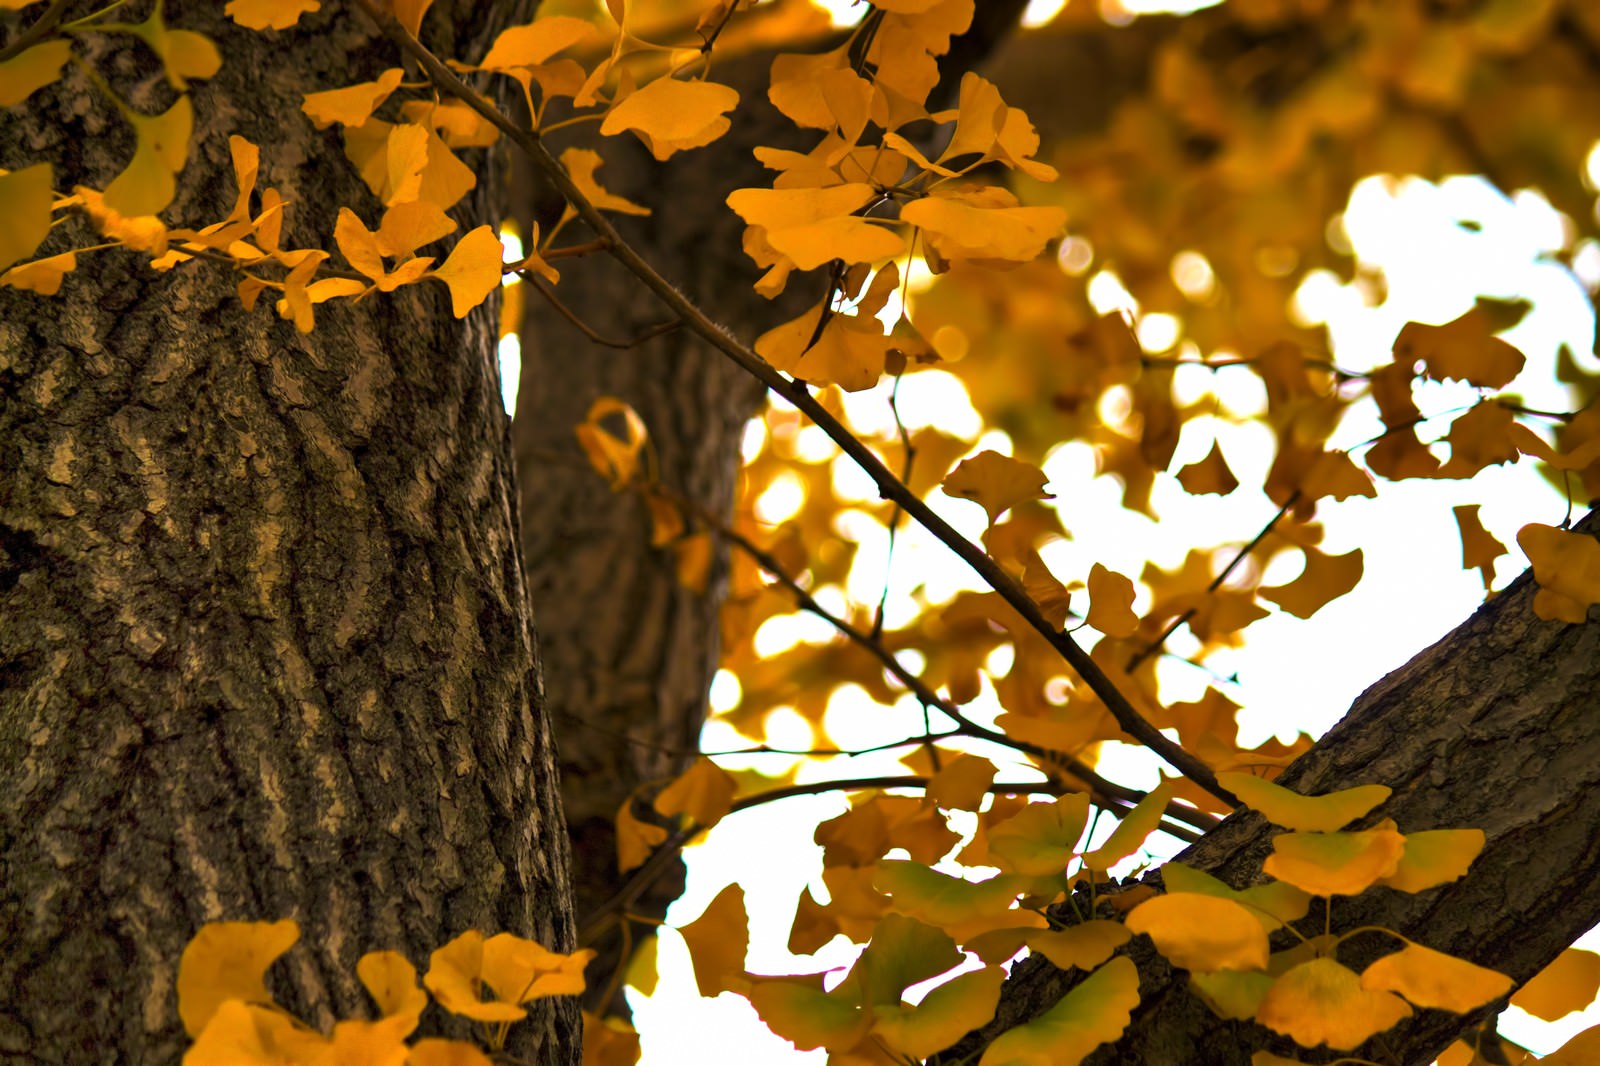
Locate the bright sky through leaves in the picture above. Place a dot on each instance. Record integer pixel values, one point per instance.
(1434, 267)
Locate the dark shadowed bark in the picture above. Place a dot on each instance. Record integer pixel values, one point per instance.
(265, 642)
(1493, 727)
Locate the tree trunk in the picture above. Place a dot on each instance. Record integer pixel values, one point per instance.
(1493, 727)
(266, 648)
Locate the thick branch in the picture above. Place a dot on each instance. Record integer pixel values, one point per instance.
(1492, 727)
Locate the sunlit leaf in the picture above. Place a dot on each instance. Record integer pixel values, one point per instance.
(1111, 603)
(228, 960)
(160, 148)
(1322, 1002)
(704, 792)
(670, 116)
(472, 270)
(718, 940)
(1435, 857)
(1041, 837)
(1209, 475)
(1095, 1012)
(996, 483)
(1325, 578)
(1273, 904)
(1464, 349)
(944, 1016)
(962, 783)
(269, 14)
(26, 73)
(1291, 810)
(25, 199)
(391, 980)
(1083, 946)
(1431, 978)
(1567, 567)
(1568, 984)
(1336, 864)
(1232, 994)
(1130, 834)
(352, 105)
(1201, 933)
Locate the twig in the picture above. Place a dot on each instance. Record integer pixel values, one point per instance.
(796, 393)
(544, 289)
(47, 22)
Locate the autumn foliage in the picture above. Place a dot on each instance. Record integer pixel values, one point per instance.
(935, 229)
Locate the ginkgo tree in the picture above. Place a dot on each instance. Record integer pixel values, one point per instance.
(279, 544)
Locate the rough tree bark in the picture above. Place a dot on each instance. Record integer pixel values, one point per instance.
(1492, 727)
(266, 647)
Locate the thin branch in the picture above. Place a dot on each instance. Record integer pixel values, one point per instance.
(544, 289)
(1216, 582)
(46, 24)
(796, 393)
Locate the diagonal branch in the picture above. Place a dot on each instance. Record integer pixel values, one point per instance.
(797, 394)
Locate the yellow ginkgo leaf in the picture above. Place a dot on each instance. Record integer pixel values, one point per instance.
(1435, 857)
(704, 792)
(26, 73)
(1429, 978)
(1111, 603)
(1083, 946)
(853, 359)
(609, 1042)
(1567, 567)
(269, 14)
(435, 1052)
(410, 13)
(962, 908)
(984, 223)
(25, 199)
(1202, 933)
(1040, 838)
(519, 970)
(1232, 994)
(352, 105)
(1130, 833)
(813, 226)
(391, 980)
(1479, 547)
(358, 244)
(1325, 578)
(1581, 1050)
(160, 150)
(692, 563)
(530, 45)
(962, 783)
(1333, 474)
(1322, 1002)
(718, 941)
(242, 1034)
(1291, 810)
(43, 276)
(228, 960)
(1465, 349)
(1273, 904)
(613, 436)
(408, 226)
(581, 164)
(669, 115)
(1095, 1012)
(1208, 476)
(943, 1016)
(636, 839)
(1047, 593)
(798, 1010)
(472, 270)
(1336, 864)
(996, 483)
(1568, 984)
(455, 977)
